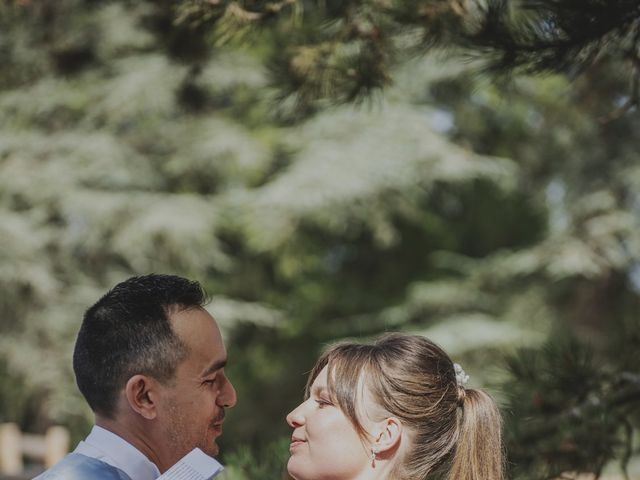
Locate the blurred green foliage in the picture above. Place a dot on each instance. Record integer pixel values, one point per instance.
(502, 221)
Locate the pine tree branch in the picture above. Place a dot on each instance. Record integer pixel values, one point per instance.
(634, 97)
(602, 414)
(557, 38)
(628, 448)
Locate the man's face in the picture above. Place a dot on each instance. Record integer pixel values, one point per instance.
(193, 410)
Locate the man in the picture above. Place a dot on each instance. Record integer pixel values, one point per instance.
(150, 362)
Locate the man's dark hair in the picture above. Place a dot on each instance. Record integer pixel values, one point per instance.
(128, 332)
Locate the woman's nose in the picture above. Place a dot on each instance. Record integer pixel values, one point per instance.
(295, 417)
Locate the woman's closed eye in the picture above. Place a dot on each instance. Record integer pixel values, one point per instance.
(323, 402)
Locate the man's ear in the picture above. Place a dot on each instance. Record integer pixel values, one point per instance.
(387, 437)
(142, 394)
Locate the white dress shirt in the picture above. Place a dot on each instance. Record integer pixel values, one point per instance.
(109, 448)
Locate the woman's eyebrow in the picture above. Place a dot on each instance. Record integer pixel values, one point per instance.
(319, 390)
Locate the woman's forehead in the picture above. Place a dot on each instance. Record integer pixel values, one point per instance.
(321, 380)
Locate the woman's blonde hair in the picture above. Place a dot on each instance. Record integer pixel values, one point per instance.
(454, 431)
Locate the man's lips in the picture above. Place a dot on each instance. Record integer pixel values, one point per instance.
(217, 425)
(218, 421)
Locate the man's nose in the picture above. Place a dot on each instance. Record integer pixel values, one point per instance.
(227, 397)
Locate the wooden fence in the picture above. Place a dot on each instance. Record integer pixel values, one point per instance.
(16, 447)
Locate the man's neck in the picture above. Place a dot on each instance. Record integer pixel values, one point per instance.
(132, 432)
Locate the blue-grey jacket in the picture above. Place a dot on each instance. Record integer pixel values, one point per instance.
(76, 466)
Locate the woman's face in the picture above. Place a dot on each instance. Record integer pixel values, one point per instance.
(324, 443)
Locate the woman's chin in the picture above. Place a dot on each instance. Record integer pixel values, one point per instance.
(293, 467)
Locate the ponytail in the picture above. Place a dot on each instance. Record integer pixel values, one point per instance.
(478, 454)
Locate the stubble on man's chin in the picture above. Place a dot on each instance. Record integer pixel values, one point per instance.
(179, 437)
(212, 450)
(210, 447)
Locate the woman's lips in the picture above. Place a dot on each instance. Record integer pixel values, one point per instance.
(295, 442)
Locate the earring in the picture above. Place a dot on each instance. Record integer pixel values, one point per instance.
(373, 458)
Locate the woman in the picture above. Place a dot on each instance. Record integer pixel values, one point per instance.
(396, 409)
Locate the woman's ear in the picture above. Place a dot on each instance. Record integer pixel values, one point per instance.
(141, 393)
(387, 437)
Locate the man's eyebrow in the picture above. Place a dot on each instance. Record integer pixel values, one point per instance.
(215, 366)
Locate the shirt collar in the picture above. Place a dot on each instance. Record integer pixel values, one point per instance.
(108, 447)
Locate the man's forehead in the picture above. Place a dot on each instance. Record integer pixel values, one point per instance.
(196, 323)
(197, 329)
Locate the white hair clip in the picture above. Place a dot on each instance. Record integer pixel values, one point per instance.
(461, 377)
